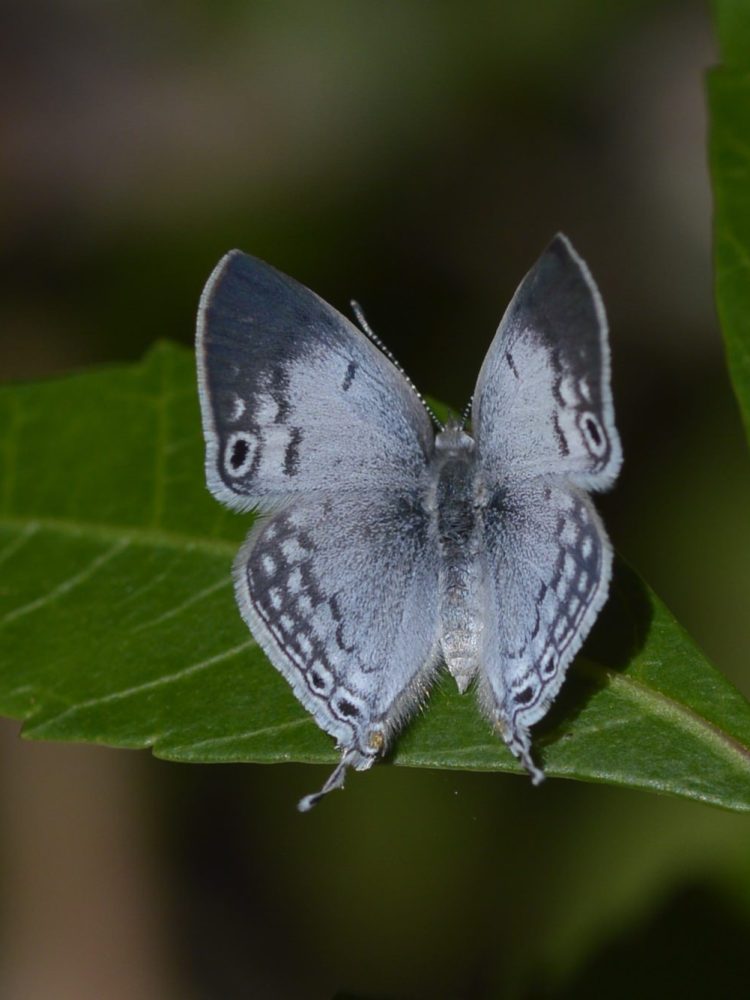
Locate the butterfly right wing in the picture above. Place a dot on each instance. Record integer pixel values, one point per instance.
(342, 596)
(548, 564)
(544, 425)
(294, 399)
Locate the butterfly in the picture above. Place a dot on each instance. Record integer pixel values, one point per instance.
(389, 544)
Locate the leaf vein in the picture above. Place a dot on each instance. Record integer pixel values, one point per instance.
(156, 537)
(67, 585)
(216, 741)
(681, 715)
(18, 542)
(145, 686)
(184, 605)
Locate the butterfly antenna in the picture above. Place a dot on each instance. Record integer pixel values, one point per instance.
(466, 415)
(372, 336)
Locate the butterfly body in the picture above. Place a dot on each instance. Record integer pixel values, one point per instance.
(387, 548)
(457, 524)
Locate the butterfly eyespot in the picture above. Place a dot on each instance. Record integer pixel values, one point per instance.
(548, 664)
(525, 696)
(239, 453)
(592, 431)
(318, 679)
(346, 708)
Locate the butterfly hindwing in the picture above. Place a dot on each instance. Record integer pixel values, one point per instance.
(342, 596)
(548, 566)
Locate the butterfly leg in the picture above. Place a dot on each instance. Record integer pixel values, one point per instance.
(350, 758)
(518, 740)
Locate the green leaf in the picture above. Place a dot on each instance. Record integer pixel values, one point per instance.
(118, 623)
(729, 156)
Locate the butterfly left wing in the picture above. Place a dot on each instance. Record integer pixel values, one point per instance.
(548, 564)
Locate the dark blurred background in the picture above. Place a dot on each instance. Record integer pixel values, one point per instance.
(417, 156)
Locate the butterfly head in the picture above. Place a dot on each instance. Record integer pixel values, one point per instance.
(453, 437)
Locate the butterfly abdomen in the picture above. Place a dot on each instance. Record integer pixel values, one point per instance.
(458, 528)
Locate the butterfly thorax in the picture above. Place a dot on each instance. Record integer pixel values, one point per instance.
(455, 509)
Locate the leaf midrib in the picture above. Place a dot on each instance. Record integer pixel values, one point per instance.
(675, 711)
(153, 537)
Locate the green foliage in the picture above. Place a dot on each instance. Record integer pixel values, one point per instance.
(729, 155)
(118, 623)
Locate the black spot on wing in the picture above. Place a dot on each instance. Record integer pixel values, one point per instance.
(347, 709)
(557, 391)
(595, 437)
(525, 696)
(562, 443)
(593, 430)
(548, 664)
(317, 681)
(335, 609)
(338, 618)
(280, 393)
(557, 365)
(240, 450)
(291, 455)
(349, 377)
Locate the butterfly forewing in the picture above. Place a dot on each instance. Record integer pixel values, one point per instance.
(295, 400)
(543, 403)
